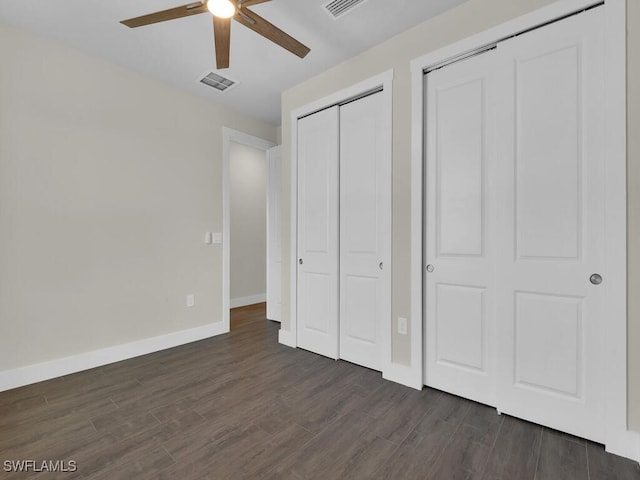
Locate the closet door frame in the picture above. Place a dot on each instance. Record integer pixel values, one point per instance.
(382, 82)
(619, 440)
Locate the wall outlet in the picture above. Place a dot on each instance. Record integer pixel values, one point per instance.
(402, 326)
(191, 300)
(217, 238)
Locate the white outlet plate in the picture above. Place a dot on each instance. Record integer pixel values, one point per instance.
(217, 238)
(191, 300)
(402, 326)
(208, 238)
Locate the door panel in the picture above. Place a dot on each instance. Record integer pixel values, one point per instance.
(548, 335)
(274, 235)
(359, 311)
(365, 230)
(548, 220)
(459, 245)
(550, 320)
(460, 309)
(317, 311)
(459, 169)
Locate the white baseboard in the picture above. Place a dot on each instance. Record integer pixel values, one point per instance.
(19, 377)
(250, 300)
(625, 444)
(285, 337)
(403, 375)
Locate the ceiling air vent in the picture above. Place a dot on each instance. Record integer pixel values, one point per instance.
(338, 8)
(217, 81)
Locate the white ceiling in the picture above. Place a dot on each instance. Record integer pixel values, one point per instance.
(180, 51)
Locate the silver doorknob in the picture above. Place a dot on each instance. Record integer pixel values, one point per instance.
(429, 268)
(381, 266)
(596, 279)
(300, 262)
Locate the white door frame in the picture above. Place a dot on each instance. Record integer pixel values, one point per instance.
(619, 440)
(271, 188)
(230, 135)
(382, 81)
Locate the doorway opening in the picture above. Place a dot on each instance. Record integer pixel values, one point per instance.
(248, 225)
(245, 203)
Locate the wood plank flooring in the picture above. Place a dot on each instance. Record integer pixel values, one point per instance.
(241, 406)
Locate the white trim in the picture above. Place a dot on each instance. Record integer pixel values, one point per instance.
(292, 335)
(386, 336)
(230, 135)
(624, 443)
(286, 338)
(250, 300)
(403, 375)
(39, 372)
(271, 188)
(618, 439)
(384, 81)
(559, 9)
(417, 262)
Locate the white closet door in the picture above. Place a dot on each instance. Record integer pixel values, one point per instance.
(550, 320)
(317, 300)
(274, 234)
(365, 231)
(459, 229)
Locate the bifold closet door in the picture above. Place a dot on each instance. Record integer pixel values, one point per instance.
(365, 231)
(551, 320)
(317, 284)
(344, 231)
(459, 228)
(515, 226)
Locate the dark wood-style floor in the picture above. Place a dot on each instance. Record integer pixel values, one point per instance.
(242, 406)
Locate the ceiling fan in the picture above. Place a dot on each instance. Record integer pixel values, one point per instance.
(223, 11)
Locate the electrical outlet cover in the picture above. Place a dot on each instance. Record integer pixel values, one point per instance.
(402, 326)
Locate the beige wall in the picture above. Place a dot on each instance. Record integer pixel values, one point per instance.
(108, 183)
(471, 17)
(248, 230)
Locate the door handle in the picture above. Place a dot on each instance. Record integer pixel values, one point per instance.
(300, 262)
(596, 279)
(381, 266)
(429, 268)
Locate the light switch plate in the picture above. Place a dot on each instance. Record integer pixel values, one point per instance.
(208, 238)
(217, 238)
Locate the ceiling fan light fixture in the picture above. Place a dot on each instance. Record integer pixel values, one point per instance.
(222, 8)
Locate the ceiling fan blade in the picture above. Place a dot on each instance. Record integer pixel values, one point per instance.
(222, 37)
(259, 25)
(249, 3)
(164, 15)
